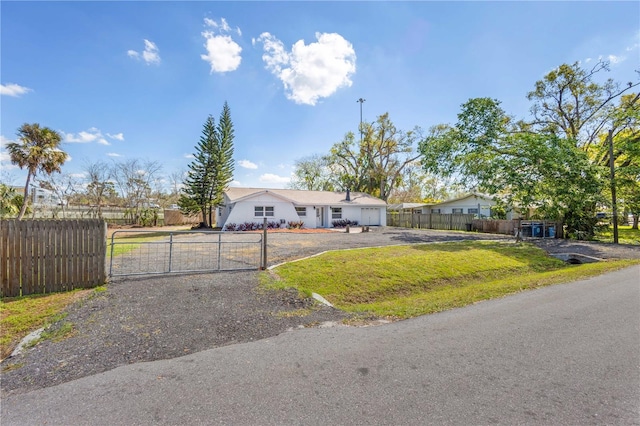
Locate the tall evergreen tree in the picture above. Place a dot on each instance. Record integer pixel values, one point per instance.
(211, 171)
(222, 167)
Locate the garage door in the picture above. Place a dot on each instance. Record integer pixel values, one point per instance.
(370, 216)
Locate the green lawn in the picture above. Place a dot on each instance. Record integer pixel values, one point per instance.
(406, 281)
(126, 244)
(21, 315)
(626, 235)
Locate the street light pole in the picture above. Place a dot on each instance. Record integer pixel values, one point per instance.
(361, 101)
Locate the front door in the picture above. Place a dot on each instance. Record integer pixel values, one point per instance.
(319, 217)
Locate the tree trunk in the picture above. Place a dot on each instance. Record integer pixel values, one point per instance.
(203, 211)
(635, 222)
(25, 200)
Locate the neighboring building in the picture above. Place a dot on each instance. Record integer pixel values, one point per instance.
(44, 197)
(473, 203)
(406, 207)
(317, 209)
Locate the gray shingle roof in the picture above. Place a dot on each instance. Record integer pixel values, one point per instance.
(300, 197)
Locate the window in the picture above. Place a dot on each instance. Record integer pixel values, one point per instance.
(302, 211)
(456, 211)
(436, 211)
(336, 213)
(263, 211)
(472, 211)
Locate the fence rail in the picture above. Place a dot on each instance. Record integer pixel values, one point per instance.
(45, 256)
(166, 252)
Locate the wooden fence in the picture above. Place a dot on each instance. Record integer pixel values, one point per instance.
(466, 222)
(44, 256)
(492, 226)
(459, 222)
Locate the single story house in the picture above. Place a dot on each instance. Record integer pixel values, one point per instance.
(316, 209)
(473, 203)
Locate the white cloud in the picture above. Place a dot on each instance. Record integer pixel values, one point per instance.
(223, 54)
(310, 72)
(271, 178)
(615, 59)
(150, 54)
(5, 158)
(189, 156)
(14, 90)
(83, 137)
(222, 26)
(247, 164)
(117, 136)
(91, 135)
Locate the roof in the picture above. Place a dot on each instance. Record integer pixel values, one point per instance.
(301, 197)
(472, 194)
(403, 206)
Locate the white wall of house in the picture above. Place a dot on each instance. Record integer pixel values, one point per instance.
(278, 210)
(467, 205)
(274, 209)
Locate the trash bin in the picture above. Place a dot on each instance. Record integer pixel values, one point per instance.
(468, 226)
(551, 231)
(536, 230)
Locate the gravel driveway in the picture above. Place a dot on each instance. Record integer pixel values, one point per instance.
(160, 317)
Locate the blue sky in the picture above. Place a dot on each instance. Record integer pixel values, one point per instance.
(125, 80)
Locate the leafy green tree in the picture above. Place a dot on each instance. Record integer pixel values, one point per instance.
(374, 165)
(416, 186)
(10, 201)
(211, 171)
(487, 150)
(313, 173)
(37, 150)
(569, 102)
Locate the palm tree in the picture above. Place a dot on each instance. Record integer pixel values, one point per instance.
(37, 150)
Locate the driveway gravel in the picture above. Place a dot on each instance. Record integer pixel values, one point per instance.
(160, 317)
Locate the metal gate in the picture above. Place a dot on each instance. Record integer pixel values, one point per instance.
(143, 252)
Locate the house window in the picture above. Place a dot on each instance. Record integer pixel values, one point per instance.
(336, 213)
(264, 211)
(472, 211)
(302, 211)
(435, 211)
(456, 211)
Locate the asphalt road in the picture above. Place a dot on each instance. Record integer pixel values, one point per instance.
(565, 354)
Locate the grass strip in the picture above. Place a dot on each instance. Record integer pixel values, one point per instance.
(406, 281)
(626, 235)
(21, 315)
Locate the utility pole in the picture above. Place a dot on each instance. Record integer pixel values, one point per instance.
(361, 101)
(613, 188)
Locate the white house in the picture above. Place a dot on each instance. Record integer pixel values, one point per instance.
(473, 203)
(317, 209)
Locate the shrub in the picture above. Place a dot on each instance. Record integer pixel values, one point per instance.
(250, 226)
(295, 224)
